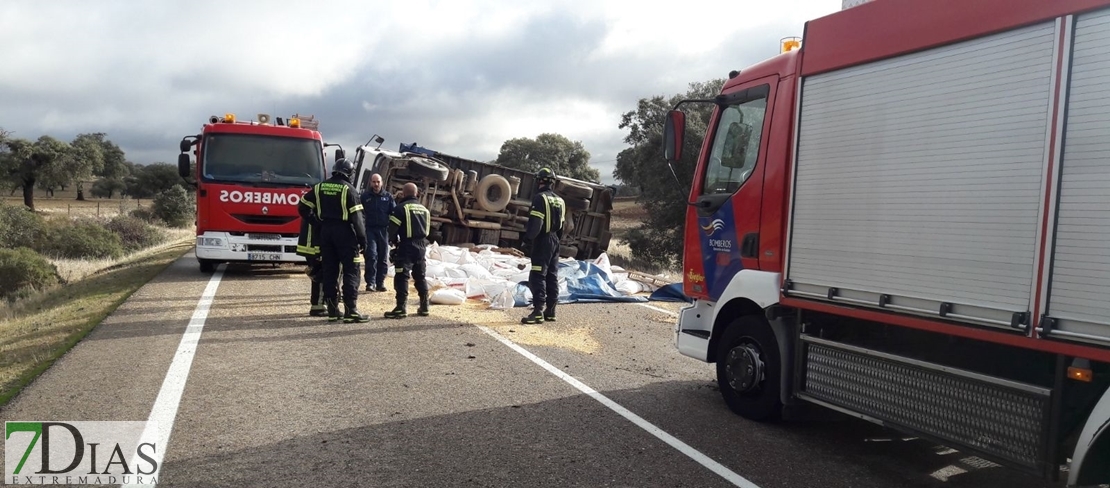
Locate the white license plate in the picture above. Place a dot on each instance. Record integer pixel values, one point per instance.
(263, 256)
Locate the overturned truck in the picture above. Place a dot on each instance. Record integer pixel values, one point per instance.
(481, 203)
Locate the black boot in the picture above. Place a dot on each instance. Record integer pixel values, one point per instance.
(549, 313)
(333, 309)
(318, 311)
(424, 306)
(398, 312)
(352, 315)
(536, 317)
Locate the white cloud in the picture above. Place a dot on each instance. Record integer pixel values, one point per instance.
(464, 75)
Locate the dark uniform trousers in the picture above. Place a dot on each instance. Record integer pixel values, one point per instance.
(411, 261)
(543, 279)
(339, 246)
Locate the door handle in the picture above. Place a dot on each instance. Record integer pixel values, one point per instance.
(749, 246)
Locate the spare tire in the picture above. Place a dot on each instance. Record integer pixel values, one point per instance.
(573, 189)
(493, 193)
(427, 168)
(577, 204)
(568, 252)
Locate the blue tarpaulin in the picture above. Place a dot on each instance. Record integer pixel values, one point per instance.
(585, 281)
(669, 293)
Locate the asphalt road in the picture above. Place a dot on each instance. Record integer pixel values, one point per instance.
(273, 397)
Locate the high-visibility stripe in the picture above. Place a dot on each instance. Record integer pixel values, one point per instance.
(395, 220)
(358, 259)
(343, 203)
(537, 268)
(308, 204)
(356, 208)
(308, 250)
(408, 221)
(546, 214)
(319, 208)
(537, 213)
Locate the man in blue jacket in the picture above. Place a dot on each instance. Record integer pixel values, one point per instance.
(377, 204)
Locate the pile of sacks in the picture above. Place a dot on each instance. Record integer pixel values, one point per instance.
(457, 274)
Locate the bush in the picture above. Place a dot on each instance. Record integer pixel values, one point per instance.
(20, 227)
(145, 215)
(81, 239)
(134, 233)
(174, 206)
(23, 272)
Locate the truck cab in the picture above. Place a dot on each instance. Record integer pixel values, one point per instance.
(249, 177)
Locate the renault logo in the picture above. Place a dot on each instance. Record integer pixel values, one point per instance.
(265, 210)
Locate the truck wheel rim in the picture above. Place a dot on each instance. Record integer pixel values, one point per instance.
(744, 368)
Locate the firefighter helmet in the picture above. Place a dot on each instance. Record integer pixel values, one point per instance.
(545, 176)
(344, 167)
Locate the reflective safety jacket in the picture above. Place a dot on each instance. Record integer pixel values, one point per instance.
(411, 223)
(334, 201)
(546, 216)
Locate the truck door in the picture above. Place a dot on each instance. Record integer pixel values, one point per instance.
(728, 191)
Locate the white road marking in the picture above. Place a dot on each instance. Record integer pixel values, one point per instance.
(682, 447)
(169, 397)
(657, 309)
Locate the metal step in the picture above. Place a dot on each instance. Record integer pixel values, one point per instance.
(1001, 419)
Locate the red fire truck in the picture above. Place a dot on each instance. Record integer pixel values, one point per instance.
(906, 220)
(249, 178)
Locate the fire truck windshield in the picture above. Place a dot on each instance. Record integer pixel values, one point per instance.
(258, 159)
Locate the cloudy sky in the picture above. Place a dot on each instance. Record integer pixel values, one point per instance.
(457, 76)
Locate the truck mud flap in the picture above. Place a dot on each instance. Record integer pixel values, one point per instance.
(1002, 420)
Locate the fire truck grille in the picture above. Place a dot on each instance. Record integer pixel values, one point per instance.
(264, 219)
(1003, 421)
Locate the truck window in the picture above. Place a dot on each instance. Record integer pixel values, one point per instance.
(735, 146)
(246, 158)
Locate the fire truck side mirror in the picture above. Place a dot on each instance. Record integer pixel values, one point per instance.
(185, 145)
(674, 129)
(183, 165)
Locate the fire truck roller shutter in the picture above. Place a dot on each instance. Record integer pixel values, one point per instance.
(573, 189)
(427, 168)
(493, 193)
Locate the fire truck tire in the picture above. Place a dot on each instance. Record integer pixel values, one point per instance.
(493, 193)
(748, 369)
(207, 265)
(427, 169)
(577, 204)
(568, 252)
(573, 189)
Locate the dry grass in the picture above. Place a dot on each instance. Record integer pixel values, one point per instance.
(72, 270)
(66, 203)
(627, 215)
(42, 328)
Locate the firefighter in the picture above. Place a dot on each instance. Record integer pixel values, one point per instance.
(542, 235)
(409, 227)
(377, 204)
(308, 245)
(335, 205)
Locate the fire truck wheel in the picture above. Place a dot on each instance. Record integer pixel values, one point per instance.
(577, 203)
(493, 193)
(748, 369)
(427, 168)
(207, 265)
(573, 189)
